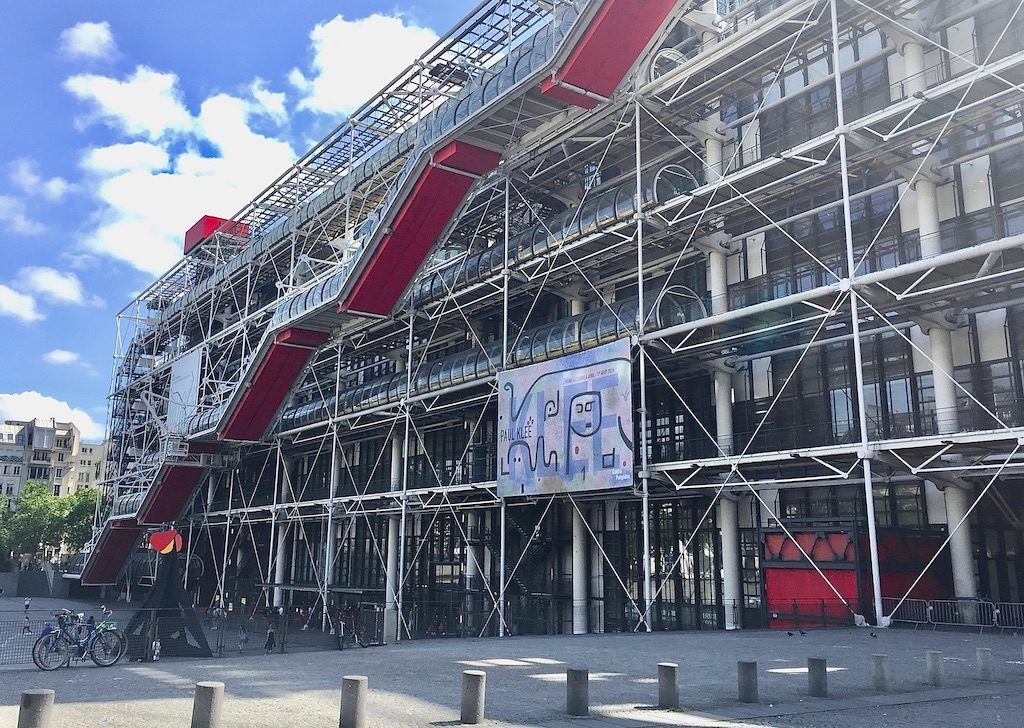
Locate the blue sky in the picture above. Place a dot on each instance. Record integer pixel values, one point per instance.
(125, 122)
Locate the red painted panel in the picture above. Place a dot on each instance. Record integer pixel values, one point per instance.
(820, 546)
(274, 377)
(421, 219)
(796, 596)
(302, 337)
(207, 226)
(609, 47)
(554, 90)
(116, 544)
(169, 493)
(467, 157)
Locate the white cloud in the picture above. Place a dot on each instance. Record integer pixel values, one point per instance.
(29, 405)
(54, 286)
(16, 219)
(124, 157)
(269, 102)
(88, 40)
(61, 356)
(353, 59)
(127, 178)
(24, 174)
(18, 305)
(147, 104)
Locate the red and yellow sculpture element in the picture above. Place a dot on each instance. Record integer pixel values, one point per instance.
(164, 542)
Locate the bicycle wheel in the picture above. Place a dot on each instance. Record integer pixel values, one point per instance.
(106, 648)
(51, 651)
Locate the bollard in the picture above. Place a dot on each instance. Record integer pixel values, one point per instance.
(986, 670)
(880, 672)
(577, 691)
(817, 677)
(36, 709)
(746, 673)
(936, 669)
(668, 685)
(353, 701)
(474, 686)
(207, 705)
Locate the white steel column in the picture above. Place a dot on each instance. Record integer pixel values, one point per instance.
(597, 567)
(940, 344)
(393, 544)
(718, 285)
(474, 527)
(961, 551)
(732, 579)
(281, 558)
(579, 573)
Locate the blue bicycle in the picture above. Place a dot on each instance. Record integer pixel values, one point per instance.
(74, 639)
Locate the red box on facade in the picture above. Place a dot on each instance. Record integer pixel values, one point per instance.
(207, 226)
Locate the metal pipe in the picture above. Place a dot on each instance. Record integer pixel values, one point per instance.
(648, 587)
(858, 357)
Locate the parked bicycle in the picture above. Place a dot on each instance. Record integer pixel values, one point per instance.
(75, 639)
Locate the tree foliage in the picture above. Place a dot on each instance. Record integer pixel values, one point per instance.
(42, 520)
(79, 510)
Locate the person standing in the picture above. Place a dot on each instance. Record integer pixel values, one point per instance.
(243, 638)
(271, 642)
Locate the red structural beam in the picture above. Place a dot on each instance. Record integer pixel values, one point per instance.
(169, 493)
(275, 374)
(611, 44)
(115, 545)
(207, 226)
(421, 219)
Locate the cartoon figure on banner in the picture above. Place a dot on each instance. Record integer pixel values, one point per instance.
(563, 424)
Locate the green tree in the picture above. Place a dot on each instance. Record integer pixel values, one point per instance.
(5, 540)
(38, 520)
(79, 509)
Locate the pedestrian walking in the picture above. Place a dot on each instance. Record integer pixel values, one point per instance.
(243, 638)
(27, 628)
(271, 642)
(28, 603)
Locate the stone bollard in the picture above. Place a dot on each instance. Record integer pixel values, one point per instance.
(986, 668)
(36, 709)
(668, 685)
(746, 673)
(474, 687)
(935, 668)
(207, 705)
(817, 677)
(880, 672)
(353, 701)
(577, 691)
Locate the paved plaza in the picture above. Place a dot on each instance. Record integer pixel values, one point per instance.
(417, 683)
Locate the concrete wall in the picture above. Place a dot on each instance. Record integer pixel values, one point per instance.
(47, 583)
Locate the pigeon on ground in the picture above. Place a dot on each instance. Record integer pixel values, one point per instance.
(874, 636)
(802, 632)
(789, 633)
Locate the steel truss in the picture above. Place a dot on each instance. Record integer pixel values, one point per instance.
(707, 99)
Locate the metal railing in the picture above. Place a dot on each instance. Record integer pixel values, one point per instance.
(978, 614)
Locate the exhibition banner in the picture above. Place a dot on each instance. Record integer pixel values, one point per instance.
(567, 424)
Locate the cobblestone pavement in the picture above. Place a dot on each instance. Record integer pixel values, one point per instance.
(417, 683)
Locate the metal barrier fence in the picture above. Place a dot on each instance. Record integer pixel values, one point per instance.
(811, 613)
(977, 614)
